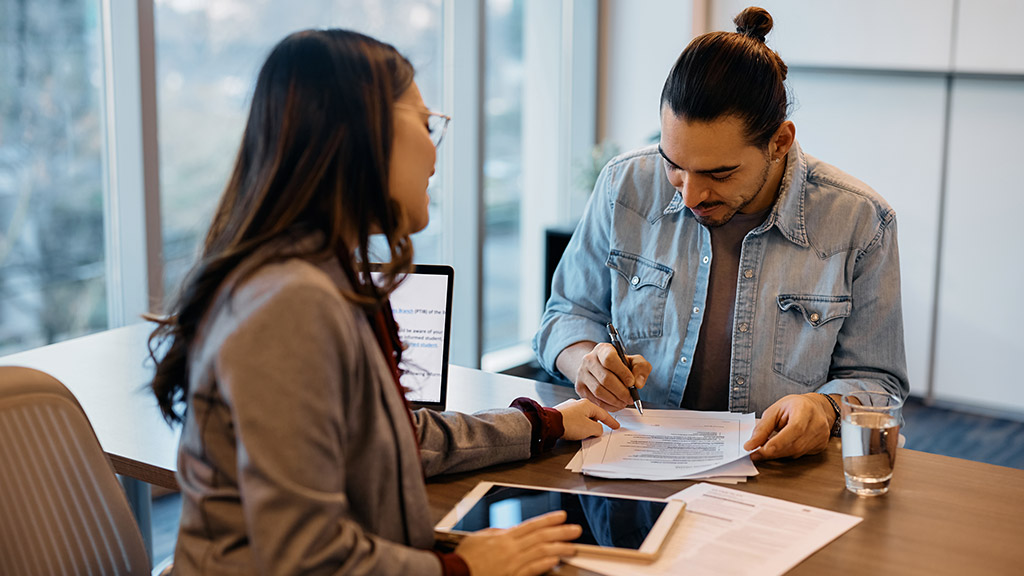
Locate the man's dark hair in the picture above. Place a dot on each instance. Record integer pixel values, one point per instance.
(731, 74)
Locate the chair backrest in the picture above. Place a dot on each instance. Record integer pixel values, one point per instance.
(62, 510)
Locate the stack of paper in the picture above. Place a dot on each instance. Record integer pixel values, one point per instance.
(671, 445)
(725, 531)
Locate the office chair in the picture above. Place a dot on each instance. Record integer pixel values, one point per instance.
(62, 510)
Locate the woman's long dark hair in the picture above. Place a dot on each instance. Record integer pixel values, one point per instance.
(314, 163)
(731, 73)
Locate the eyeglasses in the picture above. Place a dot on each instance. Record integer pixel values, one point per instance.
(437, 123)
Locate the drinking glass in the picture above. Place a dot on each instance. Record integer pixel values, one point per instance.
(870, 431)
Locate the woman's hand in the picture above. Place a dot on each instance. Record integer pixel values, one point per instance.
(533, 547)
(582, 418)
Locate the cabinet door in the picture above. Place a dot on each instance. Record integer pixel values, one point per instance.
(904, 35)
(981, 308)
(988, 37)
(887, 131)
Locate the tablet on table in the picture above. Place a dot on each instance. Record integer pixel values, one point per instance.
(624, 526)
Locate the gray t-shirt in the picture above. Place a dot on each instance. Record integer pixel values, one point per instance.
(708, 385)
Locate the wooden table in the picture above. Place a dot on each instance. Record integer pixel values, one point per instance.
(942, 515)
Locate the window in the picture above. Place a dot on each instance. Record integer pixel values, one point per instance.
(85, 107)
(208, 55)
(52, 275)
(540, 112)
(503, 138)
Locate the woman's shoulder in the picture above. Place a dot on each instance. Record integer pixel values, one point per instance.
(293, 287)
(277, 309)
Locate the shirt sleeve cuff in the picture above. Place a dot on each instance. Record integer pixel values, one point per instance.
(452, 564)
(558, 334)
(545, 423)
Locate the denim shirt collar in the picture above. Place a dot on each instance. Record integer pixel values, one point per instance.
(788, 212)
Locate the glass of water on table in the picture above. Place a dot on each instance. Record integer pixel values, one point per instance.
(870, 433)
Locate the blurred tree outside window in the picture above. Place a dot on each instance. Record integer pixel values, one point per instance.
(52, 270)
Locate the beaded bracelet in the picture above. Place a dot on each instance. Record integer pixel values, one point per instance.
(836, 425)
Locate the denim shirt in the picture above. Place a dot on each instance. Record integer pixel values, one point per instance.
(817, 298)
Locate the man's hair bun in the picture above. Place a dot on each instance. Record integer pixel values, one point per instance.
(754, 22)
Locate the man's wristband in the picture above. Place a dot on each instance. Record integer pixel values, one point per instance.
(835, 407)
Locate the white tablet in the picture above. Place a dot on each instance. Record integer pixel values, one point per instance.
(624, 526)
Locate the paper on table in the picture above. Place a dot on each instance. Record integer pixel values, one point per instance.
(576, 462)
(726, 531)
(732, 473)
(671, 445)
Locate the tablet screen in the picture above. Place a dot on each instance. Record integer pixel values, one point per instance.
(607, 521)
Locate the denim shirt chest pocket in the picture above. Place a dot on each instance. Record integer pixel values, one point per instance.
(805, 335)
(639, 292)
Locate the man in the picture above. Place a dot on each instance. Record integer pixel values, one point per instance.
(742, 274)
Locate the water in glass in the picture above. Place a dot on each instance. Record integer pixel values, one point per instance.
(869, 451)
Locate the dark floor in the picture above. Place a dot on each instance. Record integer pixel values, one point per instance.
(963, 435)
(166, 512)
(928, 429)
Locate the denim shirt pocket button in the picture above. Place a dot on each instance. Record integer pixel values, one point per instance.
(806, 333)
(639, 293)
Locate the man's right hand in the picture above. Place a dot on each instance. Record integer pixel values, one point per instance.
(601, 376)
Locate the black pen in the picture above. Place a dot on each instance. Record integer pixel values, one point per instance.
(613, 335)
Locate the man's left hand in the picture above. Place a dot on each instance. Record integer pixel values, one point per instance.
(803, 423)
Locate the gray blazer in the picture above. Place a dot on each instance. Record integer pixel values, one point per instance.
(297, 455)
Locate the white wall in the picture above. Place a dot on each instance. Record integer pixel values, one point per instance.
(988, 36)
(876, 34)
(981, 312)
(639, 41)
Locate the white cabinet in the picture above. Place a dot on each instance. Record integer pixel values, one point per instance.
(875, 34)
(989, 38)
(981, 309)
(886, 130)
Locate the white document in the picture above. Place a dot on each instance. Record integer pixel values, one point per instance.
(726, 531)
(732, 473)
(670, 445)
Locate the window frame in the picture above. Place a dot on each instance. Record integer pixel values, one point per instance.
(131, 201)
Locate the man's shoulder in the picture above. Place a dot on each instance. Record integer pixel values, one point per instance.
(841, 212)
(828, 188)
(636, 180)
(639, 157)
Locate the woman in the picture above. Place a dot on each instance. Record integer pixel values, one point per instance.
(298, 452)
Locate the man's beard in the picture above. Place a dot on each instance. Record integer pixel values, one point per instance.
(722, 221)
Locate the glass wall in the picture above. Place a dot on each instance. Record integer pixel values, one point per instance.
(503, 170)
(208, 55)
(52, 284)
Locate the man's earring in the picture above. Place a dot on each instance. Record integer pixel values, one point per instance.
(776, 160)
